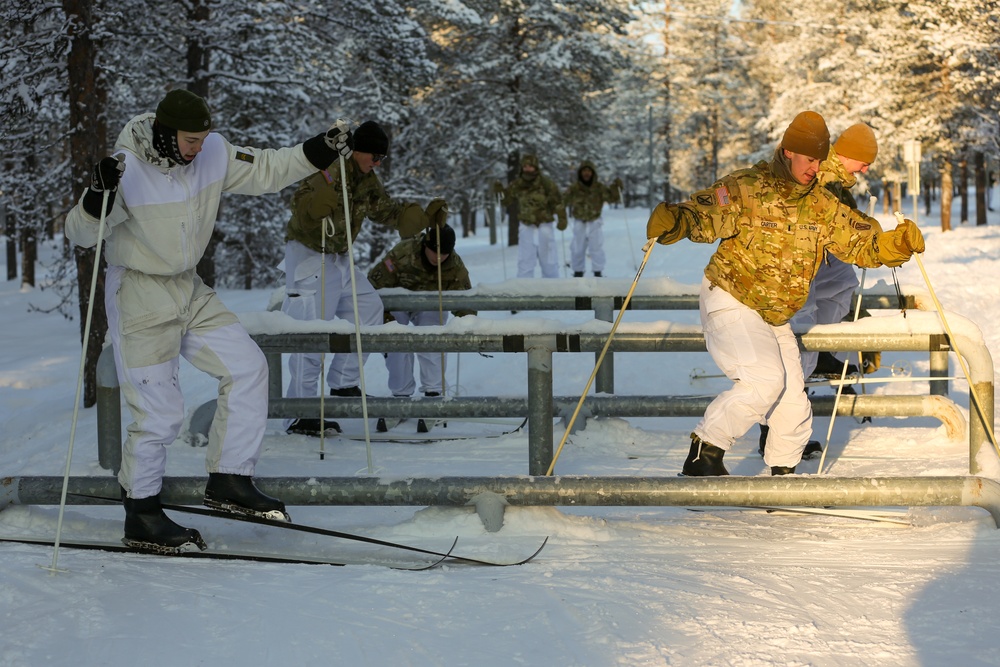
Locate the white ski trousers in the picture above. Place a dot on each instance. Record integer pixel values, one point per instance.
(763, 362)
(152, 322)
(588, 236)
(400, 364)
(829, 302)
(537, 243)
(304, 301)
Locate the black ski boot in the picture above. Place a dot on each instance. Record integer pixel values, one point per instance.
(149, 530)
(346, 392)
(828, 365)
(704, 460)
(813, 449)
(237, 494)
(578, 274)
(597, 274)
(311, 427)
(782, 470)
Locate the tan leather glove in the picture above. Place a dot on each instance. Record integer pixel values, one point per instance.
(437, 212)
(898, 245)
(412, 221)
(663, 226)
(496, 188)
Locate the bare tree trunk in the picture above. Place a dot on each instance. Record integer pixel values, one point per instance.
(668, 121)
(8, 229)
(88, 143)
(947, 192)
(29, 254)
(928, 189)
(963, 190)
(980, 188)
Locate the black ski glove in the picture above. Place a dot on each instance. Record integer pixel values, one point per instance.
(324, 148)
(107, 174)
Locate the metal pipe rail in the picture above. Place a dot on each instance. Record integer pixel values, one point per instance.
(490, 494)
(541, 405)
(605, 305)
(399, 299)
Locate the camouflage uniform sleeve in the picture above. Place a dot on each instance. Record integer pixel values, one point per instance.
(460, 281)
(713, 213)
(384, 274)
(854, 237)
(613, 194)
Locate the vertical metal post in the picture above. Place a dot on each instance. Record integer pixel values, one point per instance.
(604, 382)
(939, 368)
(109, 412)
(540, 405)
(274, 379)
(979, 436)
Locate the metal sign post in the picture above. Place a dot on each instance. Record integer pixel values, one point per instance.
(911, 156)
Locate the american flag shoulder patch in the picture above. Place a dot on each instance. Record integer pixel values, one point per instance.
(722, 196)
(389, 265)
(244, 157)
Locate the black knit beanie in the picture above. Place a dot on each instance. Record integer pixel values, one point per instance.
(370, 138)
(447, 239)
(183, 110)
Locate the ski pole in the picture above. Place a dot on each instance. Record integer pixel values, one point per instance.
(562, 235)
(357, 318)
(958, 353)
(503, 240)
(648, 248)
(437, 245)
(328, 228)
(79, 380)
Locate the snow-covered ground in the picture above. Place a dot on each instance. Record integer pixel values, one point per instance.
(614, 586)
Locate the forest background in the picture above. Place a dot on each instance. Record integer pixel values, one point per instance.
(667, 96)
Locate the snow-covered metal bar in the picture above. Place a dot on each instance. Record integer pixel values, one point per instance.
(576, 491)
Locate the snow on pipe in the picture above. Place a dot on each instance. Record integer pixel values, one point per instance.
(581, 491)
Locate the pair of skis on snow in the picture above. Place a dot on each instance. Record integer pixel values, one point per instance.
(437, 557)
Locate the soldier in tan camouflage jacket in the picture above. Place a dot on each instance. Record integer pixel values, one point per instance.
(774, 225)
(833, 287)
(585, 200)
(413, 265)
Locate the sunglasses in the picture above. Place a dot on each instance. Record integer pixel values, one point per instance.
(377, 159)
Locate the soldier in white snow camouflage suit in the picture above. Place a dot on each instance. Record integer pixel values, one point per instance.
(774, 225)
(163, 199)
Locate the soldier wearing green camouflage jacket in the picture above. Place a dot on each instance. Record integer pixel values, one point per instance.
(539, 203)
(585, 200)
(413, 264)
(318, 270)
(774, 225)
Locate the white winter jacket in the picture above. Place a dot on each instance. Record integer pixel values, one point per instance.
(164, 215)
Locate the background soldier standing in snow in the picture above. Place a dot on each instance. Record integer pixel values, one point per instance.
(835, 283)
(413, 265)
(774, 224)
(539, 204)
(585, 199)
(163, 200)
(318, 211)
